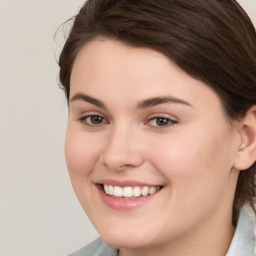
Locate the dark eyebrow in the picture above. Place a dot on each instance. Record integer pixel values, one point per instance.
(151, 102)
(86, 98)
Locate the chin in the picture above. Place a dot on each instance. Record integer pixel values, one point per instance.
(125, 239)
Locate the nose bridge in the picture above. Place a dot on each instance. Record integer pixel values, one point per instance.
(122, 149)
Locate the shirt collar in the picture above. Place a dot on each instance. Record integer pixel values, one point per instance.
(243, 241)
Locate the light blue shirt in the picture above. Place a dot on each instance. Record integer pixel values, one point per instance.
(242, 243)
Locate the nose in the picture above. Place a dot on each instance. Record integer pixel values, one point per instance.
(122, 150)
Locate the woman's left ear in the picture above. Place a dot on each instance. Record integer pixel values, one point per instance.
(246, 154)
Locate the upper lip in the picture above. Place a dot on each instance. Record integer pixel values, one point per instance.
(125, 183)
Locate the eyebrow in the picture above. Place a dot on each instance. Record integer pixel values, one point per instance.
(86, 98)
(151, 102)
(148, 103)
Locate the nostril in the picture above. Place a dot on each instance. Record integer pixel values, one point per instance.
(122, 160)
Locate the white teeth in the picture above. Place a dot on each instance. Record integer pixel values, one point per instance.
(106, 189)
(136, 192)
(110, 190)
(118, 191)
(144, 191)
(129, 192)
(152, 190)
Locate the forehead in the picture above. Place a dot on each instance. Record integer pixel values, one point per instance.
(108, 69)
(102, 55)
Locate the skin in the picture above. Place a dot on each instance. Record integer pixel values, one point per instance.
(192, 156)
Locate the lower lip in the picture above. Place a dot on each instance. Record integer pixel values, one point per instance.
(125, 204)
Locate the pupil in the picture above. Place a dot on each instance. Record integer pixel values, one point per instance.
(162, 121)
(96, 119)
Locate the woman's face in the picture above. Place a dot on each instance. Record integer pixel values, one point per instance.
(139, 124)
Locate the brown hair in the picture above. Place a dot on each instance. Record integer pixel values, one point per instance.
(213, 41)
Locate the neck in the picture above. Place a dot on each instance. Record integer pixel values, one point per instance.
(213, 238)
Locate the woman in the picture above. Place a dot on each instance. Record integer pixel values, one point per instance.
(161, 137)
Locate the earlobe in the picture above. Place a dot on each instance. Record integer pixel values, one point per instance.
(246, 154)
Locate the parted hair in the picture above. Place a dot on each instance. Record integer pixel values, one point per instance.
(213, 41)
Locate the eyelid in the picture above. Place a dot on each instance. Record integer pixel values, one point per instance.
(172, 121)
(105, 120)
(83, 118)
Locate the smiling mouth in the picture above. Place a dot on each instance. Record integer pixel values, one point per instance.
(130, 192)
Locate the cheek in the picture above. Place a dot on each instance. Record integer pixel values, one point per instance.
(193, 160)
(196, 170)
(81, 153)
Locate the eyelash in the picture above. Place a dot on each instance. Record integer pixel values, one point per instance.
(84, 121)
(167, 122)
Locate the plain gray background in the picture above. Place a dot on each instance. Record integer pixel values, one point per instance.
(39, 213)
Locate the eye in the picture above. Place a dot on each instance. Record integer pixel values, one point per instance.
(93, 120)
(161, 121)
